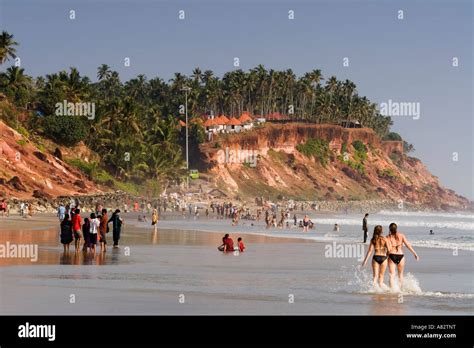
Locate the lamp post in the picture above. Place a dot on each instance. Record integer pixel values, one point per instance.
(186, 91)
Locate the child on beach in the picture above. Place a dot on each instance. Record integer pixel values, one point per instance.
(241, 244)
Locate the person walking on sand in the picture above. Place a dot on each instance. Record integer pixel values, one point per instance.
(66, 233)
(380, 246)
(103, 229)
(116, 226)
(154, 220)
(365, 227)
(396, 258)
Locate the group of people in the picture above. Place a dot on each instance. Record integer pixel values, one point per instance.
(92, 231)
(387, 251)
(25, 209)
(228, 245)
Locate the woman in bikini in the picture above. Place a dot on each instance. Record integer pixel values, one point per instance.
(380, 246)
(396, 258)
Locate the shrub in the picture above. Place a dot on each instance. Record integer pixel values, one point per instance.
(317, 148)
(67, 130)
(360, 150)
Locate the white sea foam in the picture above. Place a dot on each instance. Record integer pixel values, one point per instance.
(459, 225)
(427, 214)
(411, 287)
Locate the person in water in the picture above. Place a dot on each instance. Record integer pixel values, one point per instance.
(365, 227)
(306, 223)
(154, 220)
(228, 245)
(396, 258)
(241, 244)
(380, 246)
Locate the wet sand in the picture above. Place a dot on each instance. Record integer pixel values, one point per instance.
(151, 271)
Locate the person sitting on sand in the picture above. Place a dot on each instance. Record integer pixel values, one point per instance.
(336, 228)
(396, 259)
(380, 246)
(241, 244)
(66, 233)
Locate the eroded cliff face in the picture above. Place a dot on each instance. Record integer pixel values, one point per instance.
(265, 162)
(26, 171)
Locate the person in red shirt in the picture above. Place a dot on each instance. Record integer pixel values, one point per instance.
(241, 245)
(76, 228)
(228, 245)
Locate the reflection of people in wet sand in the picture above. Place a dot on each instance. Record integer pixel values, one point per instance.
(380, 246)
(396, 260)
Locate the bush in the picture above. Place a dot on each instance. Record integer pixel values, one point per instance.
(67, 130)
(317, 148)
(393, 136)
(360, 150)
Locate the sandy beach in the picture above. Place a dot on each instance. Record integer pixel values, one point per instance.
(179, 271)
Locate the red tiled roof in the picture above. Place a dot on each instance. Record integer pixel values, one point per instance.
(245, 117)
(233, 122)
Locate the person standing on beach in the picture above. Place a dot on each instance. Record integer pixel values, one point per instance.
(365, 227)
(66, 233)
(117, 226)
(103, 229)
(396, 258)
(61, 212)
(76, 228)
(154, 220)
(380, 246)
(93, 232)
(3, 207)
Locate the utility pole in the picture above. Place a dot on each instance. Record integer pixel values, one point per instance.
(186, 90)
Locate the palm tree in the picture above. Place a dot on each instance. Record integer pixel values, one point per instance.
(16, 85)
(104, 72)
(7, 49)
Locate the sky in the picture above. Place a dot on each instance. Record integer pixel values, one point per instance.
(403, 60)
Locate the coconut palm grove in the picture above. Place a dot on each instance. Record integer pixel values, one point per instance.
(143, 117)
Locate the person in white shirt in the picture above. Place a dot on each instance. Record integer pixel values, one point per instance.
(94, 230)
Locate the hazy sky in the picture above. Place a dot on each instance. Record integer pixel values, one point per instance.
(407, 60)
